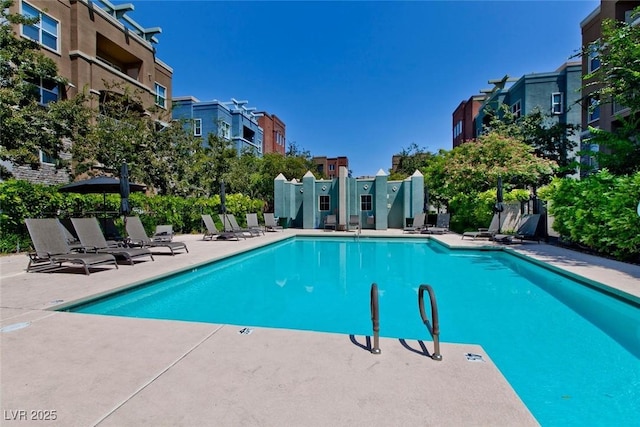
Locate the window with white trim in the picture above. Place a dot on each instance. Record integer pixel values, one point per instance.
(557, 101)
(47, 158)
(366, 202)
(45, 31)
(224, 130)
(594, 109)
(516, 109)
(48, 90)
(161, 95)
(325, 203)
(197, 127)
(593, 62)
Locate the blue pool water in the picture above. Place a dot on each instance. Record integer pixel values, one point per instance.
(571, 353)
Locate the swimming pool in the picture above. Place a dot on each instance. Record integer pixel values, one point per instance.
(571, 352)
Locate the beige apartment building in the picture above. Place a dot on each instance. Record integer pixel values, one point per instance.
(95, 45)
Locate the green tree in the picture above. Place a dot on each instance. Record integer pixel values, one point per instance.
(245, 174)
(475, 166)
(216, 162)
(160, 153)
(120, 132)
(410, 159)
(617, 80)
(551, 139)
(618, 77)
(27, 124)
(435, 178)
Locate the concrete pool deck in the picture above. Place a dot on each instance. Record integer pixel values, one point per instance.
(110, 371)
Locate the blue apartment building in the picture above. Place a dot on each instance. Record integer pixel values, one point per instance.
(233, 121)
(556, 94)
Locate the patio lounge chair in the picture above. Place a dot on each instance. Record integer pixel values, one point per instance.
(92, 240)
(212, 232)
(164, 233)
(52, 249)
(231, 226)
(330, 222)
(354, 222)
(526, 230)
(138, 237)
(70, 234)
(418, 224)
(252, 223)
(485, 232)
(109, 230)
(442, 225)
(270, 222)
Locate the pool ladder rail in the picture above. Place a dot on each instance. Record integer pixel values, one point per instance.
(375, 319)
(433, 327)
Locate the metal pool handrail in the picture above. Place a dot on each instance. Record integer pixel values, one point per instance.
(434, 327)
(375, 319)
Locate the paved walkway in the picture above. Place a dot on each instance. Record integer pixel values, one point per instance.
(88, 370)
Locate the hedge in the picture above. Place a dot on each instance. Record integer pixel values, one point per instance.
(598, 213)
(21, 199)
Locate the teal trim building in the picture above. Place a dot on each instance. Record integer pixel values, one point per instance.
(379, 203)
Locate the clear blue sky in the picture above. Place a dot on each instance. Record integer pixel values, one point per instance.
(359, 79)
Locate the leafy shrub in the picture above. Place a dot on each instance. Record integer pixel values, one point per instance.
(21, 199)
(598, 212)
(471, 211)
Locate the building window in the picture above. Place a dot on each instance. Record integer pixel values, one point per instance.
(616, 108)
(48, 90)
(332, 167)
(516, 110)
(45, 31)
(594, 58)
(47, 158)
(594, 110)
(197, 127)
(556, 103)
(224, 130)
(366, 202)
(325, 203)
(161, 95)
(457, 129)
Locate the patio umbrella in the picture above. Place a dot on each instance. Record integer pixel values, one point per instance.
(100, 184)
(499, 207)
(426, 199)
(223, 198)
(125, 190)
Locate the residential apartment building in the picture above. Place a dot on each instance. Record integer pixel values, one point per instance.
(329, 166)
(233, 121)
(464, 119)
(556, 94)
(93, 42)
(274, 129)
(605, 116)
